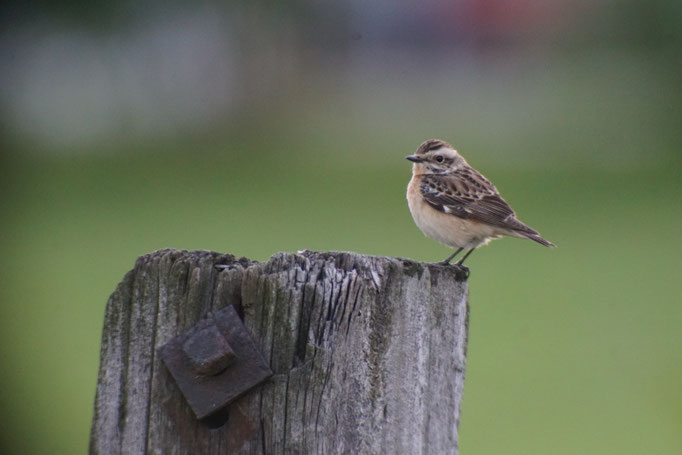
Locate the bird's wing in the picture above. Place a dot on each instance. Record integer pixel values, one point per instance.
(466, 194)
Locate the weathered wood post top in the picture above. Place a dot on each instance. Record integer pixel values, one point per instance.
(367, 355)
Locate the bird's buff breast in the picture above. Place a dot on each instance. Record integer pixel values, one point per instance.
(447, 229)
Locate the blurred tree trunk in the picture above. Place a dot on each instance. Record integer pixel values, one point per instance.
(368, 355)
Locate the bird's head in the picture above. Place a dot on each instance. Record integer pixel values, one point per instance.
(436, 157)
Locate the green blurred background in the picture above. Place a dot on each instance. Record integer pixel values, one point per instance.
(251, 128)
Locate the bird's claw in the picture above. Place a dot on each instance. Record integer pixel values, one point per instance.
(464, 269)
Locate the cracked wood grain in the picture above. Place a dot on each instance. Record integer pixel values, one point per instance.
(368, 355)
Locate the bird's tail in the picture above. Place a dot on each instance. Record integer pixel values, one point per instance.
(527, 232)
(540, 240)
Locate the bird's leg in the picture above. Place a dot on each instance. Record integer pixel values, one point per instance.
(461, 261)
(451, 257)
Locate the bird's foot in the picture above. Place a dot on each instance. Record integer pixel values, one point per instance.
(464, 269)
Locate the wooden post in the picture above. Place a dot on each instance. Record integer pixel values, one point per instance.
(368, 355)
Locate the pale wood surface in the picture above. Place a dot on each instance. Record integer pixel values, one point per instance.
(368, 354)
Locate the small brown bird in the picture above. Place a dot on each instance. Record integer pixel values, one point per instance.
(452, 203)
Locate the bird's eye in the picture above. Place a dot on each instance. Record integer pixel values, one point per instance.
(439, 158)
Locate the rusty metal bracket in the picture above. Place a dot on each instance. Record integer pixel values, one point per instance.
(215, 362)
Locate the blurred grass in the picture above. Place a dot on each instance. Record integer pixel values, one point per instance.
(572, 350)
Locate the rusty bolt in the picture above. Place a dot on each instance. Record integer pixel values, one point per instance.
(207, 350)
(215, 362)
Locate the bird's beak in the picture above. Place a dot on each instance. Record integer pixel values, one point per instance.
(414, 158)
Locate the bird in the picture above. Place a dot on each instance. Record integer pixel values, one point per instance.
(454, 204)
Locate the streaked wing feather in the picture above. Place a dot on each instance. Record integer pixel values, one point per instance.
(465, 193)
